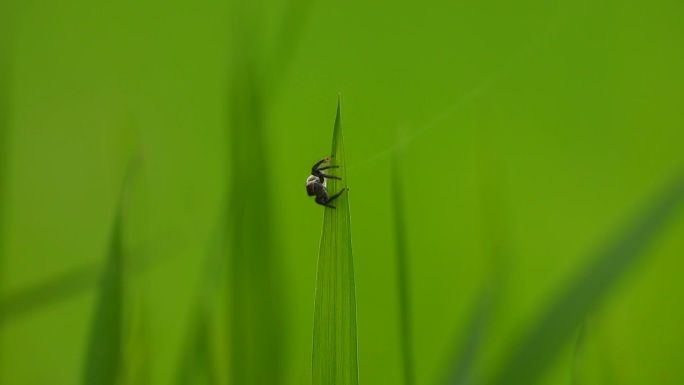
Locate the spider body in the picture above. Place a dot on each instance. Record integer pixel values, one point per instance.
(316, 183)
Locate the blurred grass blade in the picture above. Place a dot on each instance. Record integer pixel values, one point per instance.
(197, 366)
(62, 287)
(137, 354)
(538, 348)
(103, 360)
(467, 353)
(288, 36)
(589, 365)
(52, 290)
(334, 336)
(255, 292)
(198, 357)
(580, 341)
(463, 369)
(402, 271)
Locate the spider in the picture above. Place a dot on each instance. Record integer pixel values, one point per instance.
(316, 183)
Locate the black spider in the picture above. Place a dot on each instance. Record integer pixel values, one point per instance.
(316, 183)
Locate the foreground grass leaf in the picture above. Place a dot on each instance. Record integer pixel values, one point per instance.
(334, 336)
(529, 358)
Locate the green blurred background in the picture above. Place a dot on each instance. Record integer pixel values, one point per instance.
(529, 134)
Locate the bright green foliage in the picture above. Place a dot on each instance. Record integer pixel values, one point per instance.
(577, 103)
(334, 334)
(543, 342)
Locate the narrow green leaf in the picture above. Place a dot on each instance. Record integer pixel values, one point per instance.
(289, 33)
(540, 345)
(104, 357)
(103, 361)
(137, 354)
(52, 290)
(402, 271)
(463, 365)
(468, 351)
(198, 360)
(197, 366)
(334, 333)
(580, 341)
(588, 365)
(65, 285)
(255, 292)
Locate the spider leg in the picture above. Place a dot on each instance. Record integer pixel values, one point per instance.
(324, 160)
(330, 176)
(323, 200)
(332, 198)
(327, 167)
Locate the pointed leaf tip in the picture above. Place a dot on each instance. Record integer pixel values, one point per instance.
(334, 355)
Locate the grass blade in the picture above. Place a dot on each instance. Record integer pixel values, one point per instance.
(50, 291)
(255, 292)
(63, 286)
(334, 336)
(289, 33)
(103, 360)
(467, 353)
(528, 360)
(402, 271)
(463, 368)
(137, 352)
(197, 366)
(198, 363)
(577, 352)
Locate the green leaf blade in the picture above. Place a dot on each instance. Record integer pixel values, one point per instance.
(104, 357)
(255, 292)
(335, 336)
